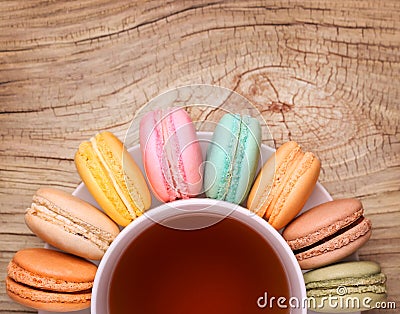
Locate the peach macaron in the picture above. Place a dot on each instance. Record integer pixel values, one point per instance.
(328, 233)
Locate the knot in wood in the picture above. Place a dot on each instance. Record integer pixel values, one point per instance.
(278, 107)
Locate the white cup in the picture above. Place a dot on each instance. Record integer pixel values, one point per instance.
(194, 214)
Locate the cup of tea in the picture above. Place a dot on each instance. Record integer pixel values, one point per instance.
(198, 256)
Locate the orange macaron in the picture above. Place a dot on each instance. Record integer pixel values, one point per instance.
(284, 184)
(49, 280)
(328, 233)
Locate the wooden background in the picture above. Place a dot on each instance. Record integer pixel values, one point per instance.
(323, 73)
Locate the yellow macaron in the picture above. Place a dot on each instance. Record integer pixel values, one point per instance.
(113, 178)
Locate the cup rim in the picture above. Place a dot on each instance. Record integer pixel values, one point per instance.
(210, 206)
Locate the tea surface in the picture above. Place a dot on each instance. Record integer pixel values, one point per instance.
(220, 269)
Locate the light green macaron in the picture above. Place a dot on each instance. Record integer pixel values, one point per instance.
(345, 287)
(232, 158)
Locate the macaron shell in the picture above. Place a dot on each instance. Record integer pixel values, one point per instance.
(47, 301)
(320, 217)
(150, 143)
(134, 174)
(53, 264)
(374, 297)
(79, 209)
(62, 239)
(285, 150)
(170, 157)
(99, 185)
(129, 178)
(21, 275)
(343, 270)
(246, 160)
(334, 255)
(297, 195)
(288, 157)
(262, 188)
(190, 152)
(220, 155)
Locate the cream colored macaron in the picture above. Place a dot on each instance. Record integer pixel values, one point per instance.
(70, 224)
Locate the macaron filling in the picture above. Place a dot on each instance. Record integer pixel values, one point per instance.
(25, 277)
(163, 162)
(239, 157)
(351, 233)
(330, 237)
(374, 283)
(241, 135)
(370, 283)
(38, 295)
(307, 238)
(97, 180)
(118, 189)
(354, 281)
(46, 210)
(172, 150)
(271, 192)
(228, 171)
(298, 169)
(350, 290)
(168, 154)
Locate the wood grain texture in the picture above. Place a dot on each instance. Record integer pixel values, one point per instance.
(323, 73)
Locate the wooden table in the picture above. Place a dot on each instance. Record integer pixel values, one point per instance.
(325, 74)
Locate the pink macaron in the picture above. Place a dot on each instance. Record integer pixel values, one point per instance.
(171, 153)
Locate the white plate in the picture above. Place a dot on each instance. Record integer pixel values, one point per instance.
(318, 196)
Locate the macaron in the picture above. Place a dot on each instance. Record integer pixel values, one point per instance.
(171, 154)
(328, 232)
(113, 178)
(70, 224)
(51, 281)
(232, 158)
(345, 287)
(284, 184)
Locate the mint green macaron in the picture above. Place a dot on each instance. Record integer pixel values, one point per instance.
(232, 158)
(345, 287)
